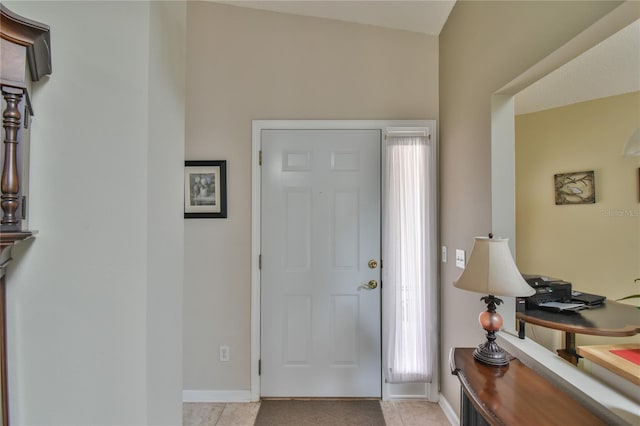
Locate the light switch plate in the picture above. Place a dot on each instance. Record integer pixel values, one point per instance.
(224, 353)
(460, 258)
(444, 254)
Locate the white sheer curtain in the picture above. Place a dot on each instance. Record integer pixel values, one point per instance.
(408, 276)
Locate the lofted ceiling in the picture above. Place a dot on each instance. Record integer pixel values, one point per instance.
(422, 16)
(610, 68)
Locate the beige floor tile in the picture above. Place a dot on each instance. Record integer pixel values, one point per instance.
(201, 413)
(241, 414)
(391, 414)
(420, 413)
(396, 413)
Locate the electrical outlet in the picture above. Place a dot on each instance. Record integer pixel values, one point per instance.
(224, 353)
(460, 258)
(444, 254)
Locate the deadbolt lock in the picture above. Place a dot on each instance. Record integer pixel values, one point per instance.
(373, 264)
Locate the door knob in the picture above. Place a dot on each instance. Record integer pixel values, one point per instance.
(370, 285)
(373, 264)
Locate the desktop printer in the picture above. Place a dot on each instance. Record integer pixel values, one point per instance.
(547, 290)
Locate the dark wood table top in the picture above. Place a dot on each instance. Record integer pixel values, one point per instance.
(609, 319)
(516, 395)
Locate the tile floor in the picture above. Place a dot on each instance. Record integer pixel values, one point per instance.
(396, 413)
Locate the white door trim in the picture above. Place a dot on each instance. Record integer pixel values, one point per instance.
(257, 127)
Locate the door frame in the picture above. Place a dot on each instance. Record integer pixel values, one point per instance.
(388, 391)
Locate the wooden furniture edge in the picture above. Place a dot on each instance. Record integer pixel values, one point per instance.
(10, 237)
(629, 330)
(558, 406)
(601, 355)
(487, 414)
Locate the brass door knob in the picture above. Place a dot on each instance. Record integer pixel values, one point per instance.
(373, 284)
(373, 264)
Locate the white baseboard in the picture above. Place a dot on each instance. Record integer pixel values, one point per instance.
(448, 411)
(216, 396)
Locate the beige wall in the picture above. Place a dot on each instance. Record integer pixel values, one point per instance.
(484, 46)
(594, 246)
(247, 64)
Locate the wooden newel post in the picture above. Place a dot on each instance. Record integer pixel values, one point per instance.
(11, 121)
(25, 57)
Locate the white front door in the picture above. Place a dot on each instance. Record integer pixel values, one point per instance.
(320, 321)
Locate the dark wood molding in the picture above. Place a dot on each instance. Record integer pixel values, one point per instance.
(11, 238)
(24, 55)
(10, 184)
(30, 34)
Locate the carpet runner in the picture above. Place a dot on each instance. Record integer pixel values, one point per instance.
(320, 413)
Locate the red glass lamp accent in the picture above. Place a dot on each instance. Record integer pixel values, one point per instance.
(490, 321)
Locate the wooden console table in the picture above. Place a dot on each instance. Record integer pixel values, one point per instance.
(513, 395)
(610, 319)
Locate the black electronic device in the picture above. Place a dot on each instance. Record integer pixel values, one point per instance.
(547, 290)
(587, 298)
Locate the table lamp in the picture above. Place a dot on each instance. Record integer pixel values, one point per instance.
(632, 147)
(492, 271)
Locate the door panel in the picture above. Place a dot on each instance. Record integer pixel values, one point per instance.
(320, 326)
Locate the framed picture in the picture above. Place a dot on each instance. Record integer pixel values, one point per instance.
(575, 188)
(205, 189)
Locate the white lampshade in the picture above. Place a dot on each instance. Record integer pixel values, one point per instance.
(491, 270)
(632, 147)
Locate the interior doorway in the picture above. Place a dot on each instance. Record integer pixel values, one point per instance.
(346, 306)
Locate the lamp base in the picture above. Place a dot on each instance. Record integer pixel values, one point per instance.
(491, 354)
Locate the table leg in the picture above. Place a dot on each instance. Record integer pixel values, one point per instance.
(569, 351)
(521, 329)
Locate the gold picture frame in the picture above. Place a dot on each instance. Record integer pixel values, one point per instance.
(575, 188)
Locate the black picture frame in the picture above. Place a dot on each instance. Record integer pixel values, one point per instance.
(205, 189)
